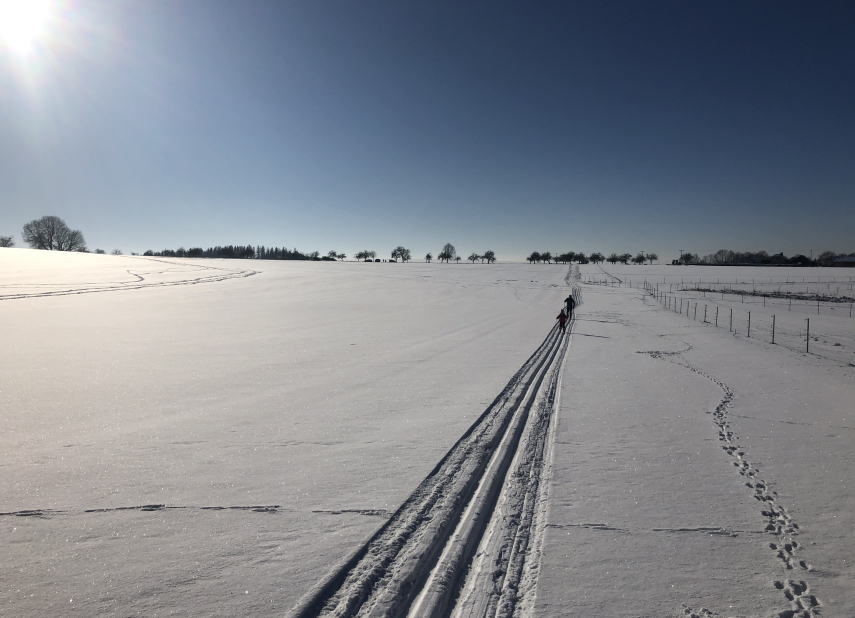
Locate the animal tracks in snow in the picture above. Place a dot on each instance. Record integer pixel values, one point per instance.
(779, 522)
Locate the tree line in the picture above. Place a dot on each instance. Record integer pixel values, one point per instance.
(726, 257)
(596, 258)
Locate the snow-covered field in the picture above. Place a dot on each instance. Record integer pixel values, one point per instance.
(222, 438)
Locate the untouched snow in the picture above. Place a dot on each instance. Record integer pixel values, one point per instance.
(207, 437)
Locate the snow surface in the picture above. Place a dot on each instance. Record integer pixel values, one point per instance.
(213, 437)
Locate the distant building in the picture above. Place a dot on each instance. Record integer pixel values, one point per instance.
(779, 258)
(845, 261)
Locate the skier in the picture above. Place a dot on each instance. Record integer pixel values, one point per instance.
(570, 305)
(562, 320)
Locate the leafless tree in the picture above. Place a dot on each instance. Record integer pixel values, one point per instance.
(51, 233)
(448, 253)
(401, 252)
(119, 252)
(6, 241)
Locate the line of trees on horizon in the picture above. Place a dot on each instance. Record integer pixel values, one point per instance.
(53, 234)
(726, 257)
(596, 258)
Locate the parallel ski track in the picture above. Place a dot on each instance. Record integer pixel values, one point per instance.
(420, 563)
(221, 275)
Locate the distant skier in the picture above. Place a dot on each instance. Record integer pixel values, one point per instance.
(562, 320)
(570, 305)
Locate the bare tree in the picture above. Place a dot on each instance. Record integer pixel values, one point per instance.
(448, 253)
(546, 257)
(534, 258)
(826, 257)
(100, 251)
(428, 258)
(52, 234)
(652, 257)
(473, 257)
(332, 254)
(457, 259)
(490, 256)
(6, 241)
(119, 252)
(401, 252)
(342, 256)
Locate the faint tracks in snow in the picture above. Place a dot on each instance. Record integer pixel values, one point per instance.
(779, 522)
(48, 513)
(220, 274)
(467, 541)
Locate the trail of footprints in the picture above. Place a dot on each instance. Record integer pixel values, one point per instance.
(779, 522)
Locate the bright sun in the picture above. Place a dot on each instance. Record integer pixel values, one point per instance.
(22, 22)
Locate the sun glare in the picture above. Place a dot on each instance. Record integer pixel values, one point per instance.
(22, 23)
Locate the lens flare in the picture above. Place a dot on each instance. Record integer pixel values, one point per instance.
(22, 23)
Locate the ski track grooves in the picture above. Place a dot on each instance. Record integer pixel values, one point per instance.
(222, 275)
(779, 523)
(481, 510)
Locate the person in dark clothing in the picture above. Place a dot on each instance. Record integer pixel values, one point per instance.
(570, 305)
(562, 320)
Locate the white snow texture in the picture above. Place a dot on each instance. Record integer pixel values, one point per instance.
(244, 438)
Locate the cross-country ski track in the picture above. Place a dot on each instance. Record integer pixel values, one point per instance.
(467, 541)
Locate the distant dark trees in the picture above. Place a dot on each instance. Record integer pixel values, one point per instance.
(52, 234)
(448, 253)
(473, 257)
(490, 256)
(638, 259)
(365, 255)
(6, 241)
(563, 258)
(428, 258)
(596, 258)
(726, 256)
(827, 257)
(401, 253)
(652, 257)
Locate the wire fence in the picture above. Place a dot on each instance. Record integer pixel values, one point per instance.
(821, 325)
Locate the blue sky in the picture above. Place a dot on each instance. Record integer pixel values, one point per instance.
(595, 126)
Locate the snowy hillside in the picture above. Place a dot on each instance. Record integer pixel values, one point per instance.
(245, 437)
